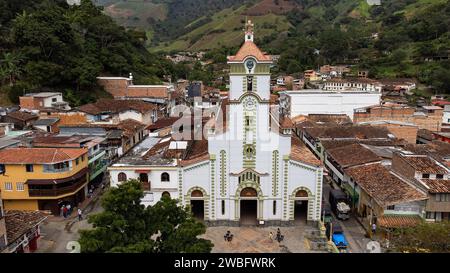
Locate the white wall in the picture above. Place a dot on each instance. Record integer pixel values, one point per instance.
(132, 115)
(48, 101)
(305, 103)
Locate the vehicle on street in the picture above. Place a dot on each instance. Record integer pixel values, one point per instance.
(339, 204)
(337, 236)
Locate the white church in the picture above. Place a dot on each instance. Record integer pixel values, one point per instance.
(247, 166)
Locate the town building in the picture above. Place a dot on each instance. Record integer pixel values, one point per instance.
(247, 169)
(401, 130)
(43, 100)
(315, 137)
(43, 178)
(426, 117)
(20, 119)
(98, 159)
(312, 76)
(352, 85)
(446, 115)
(123, 88)
(120, 137)
(317, 101)
(19, 230)
(49, 125)
(431, 176)
(110, 111)
(335, 70)
(384, 198)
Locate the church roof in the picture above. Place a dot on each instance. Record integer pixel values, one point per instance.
(301, 153)
(248, 49)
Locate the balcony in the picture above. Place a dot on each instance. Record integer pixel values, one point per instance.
(56, 187)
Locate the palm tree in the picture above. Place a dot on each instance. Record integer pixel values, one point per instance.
(11, 65)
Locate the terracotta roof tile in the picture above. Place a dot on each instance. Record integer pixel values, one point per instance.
(116, 106)
(383, 186)
(424, 164)
(163, 123)
(437, 185)
(23, 116)
(19, 222)
(352, 155)
(299, 152)
(39, 155)
(355, 131)
(398, 221)
(249, 49)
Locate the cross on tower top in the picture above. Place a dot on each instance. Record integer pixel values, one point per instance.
(249, 26)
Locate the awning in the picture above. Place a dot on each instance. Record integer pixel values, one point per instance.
(398, 221)
(77, 176)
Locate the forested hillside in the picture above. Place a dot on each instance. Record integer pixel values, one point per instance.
(49, 45)
(400, 38)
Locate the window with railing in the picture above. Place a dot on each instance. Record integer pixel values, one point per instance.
(57, 168)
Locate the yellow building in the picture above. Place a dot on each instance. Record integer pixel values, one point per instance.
(43, 178)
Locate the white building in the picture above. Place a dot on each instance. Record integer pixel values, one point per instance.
(446, 115)
(252, 170)
(316, 101)
(352, 85)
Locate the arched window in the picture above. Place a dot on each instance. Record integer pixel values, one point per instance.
(122, 177)
(165, 177)
(166, 194)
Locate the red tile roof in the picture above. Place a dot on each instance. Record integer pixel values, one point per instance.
(22, 116)
(117, 106)
(398, 221)
(163, 123)
(383, 186)
(424, 164)
(19, 222)
(39, 155)
(437, 185)
(299, 152)
(249, 49)
(352, 155)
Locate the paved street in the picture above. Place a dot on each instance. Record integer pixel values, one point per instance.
(353, 231)
(56, 232)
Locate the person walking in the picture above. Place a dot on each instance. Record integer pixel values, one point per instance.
(69, 209)
(374, 228)
(271, 237)
(65, 212)
(80, 215)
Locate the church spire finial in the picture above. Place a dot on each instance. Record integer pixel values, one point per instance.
(249, 26)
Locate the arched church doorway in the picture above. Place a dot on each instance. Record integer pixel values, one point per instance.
(249, 207)
(198, 205)
(301, 207)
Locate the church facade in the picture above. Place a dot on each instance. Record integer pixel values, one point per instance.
(249, 168)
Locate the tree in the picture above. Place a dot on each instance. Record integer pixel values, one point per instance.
(126, 225)
(425, 237)
(10, 66)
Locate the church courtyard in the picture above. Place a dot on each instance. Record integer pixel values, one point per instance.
(251, 239)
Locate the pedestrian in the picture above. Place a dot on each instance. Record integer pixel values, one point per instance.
(65, 212)
(271, 237)
(61, 211)
(69, 209)
(374, 228)
(80, 216)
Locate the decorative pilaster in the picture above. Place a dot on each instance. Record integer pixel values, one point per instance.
(285, 184)
(275, 172)
(213, 184)
(223, 176)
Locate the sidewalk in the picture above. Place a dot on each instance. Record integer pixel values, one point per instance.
(85, 206)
